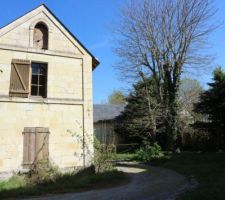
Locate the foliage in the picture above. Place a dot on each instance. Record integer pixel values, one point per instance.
(103, 153)
(39, 174)
(125, 156)
(133, 124)
(17, 186)
(13, 182)
(103, 156)
(212, 106)
(206, 168)
(159, 39)
(117, 97)
(149, 153)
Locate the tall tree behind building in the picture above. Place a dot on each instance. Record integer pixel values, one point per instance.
(159, 39)
(134, 124)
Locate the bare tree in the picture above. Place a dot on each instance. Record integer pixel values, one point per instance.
(189, 93)
(159, 39)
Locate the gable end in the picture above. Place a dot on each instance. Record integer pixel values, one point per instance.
(67, 32)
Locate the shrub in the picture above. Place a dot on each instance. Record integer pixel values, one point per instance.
(149, 152)
(103, 157)
(39, 175)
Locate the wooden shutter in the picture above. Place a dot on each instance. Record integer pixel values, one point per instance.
(42, 146)
(35, 147)
(28, 147)
(19, 80)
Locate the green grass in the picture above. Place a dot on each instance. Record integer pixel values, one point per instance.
(17, 186)
(207, 168)
(125, 156)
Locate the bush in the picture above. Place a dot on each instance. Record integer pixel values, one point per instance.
(149, 152)
(104, 154)
(39, 174)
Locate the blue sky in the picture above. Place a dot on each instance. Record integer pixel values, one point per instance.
(91, 22)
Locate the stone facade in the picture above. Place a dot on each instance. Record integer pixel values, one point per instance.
(67, 110)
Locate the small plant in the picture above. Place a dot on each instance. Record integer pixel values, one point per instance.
(149, 152)
(39, 174)
(104, 154)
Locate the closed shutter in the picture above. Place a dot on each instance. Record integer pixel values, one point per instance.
(42, 146)
(29, 147)
(35, 147)
(19, 80)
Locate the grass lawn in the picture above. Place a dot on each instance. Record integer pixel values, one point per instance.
(125, 157)
(18, 187)
(207, 168)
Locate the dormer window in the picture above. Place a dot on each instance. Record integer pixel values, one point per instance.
(40, 36)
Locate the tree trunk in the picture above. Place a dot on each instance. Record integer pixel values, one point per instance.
(171, 85)
(151, 114)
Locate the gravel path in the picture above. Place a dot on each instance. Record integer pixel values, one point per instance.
(147, 183)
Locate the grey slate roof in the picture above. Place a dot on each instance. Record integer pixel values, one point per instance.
(106, 111)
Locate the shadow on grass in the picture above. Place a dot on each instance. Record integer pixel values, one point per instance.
(208, 169)
(83, 181)
(162, 160)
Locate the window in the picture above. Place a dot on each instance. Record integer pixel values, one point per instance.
(40, 38)
(39, 80)
(20, 84)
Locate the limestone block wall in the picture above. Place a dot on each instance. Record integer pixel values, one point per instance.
(64, 150)
(22, 34)
(67, 110)
(65, 75)
(68, 106)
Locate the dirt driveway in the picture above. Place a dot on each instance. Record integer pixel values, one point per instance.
(147, 183)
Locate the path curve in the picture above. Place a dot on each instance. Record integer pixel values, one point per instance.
(147, 183)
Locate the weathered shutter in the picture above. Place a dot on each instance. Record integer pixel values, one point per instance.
(35, 147)
(29, 152)
(42, 146)
(19, 81)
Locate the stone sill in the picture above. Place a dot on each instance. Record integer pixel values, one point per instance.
(41, 51)
(40, 100)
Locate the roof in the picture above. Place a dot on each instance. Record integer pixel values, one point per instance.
(107, 111)
(95, 61)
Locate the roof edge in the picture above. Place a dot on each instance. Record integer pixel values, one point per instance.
(95, 61)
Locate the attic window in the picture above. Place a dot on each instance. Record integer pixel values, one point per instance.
(40, 36)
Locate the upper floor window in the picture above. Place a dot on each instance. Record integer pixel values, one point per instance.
(25, 82)
(40, 38)
(39, 80)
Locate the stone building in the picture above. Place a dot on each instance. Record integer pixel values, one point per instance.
(45, 94)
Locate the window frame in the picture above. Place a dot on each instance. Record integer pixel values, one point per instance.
(46, 80)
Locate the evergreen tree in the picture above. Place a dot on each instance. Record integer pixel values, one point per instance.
(212, 106)
(134, 124)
